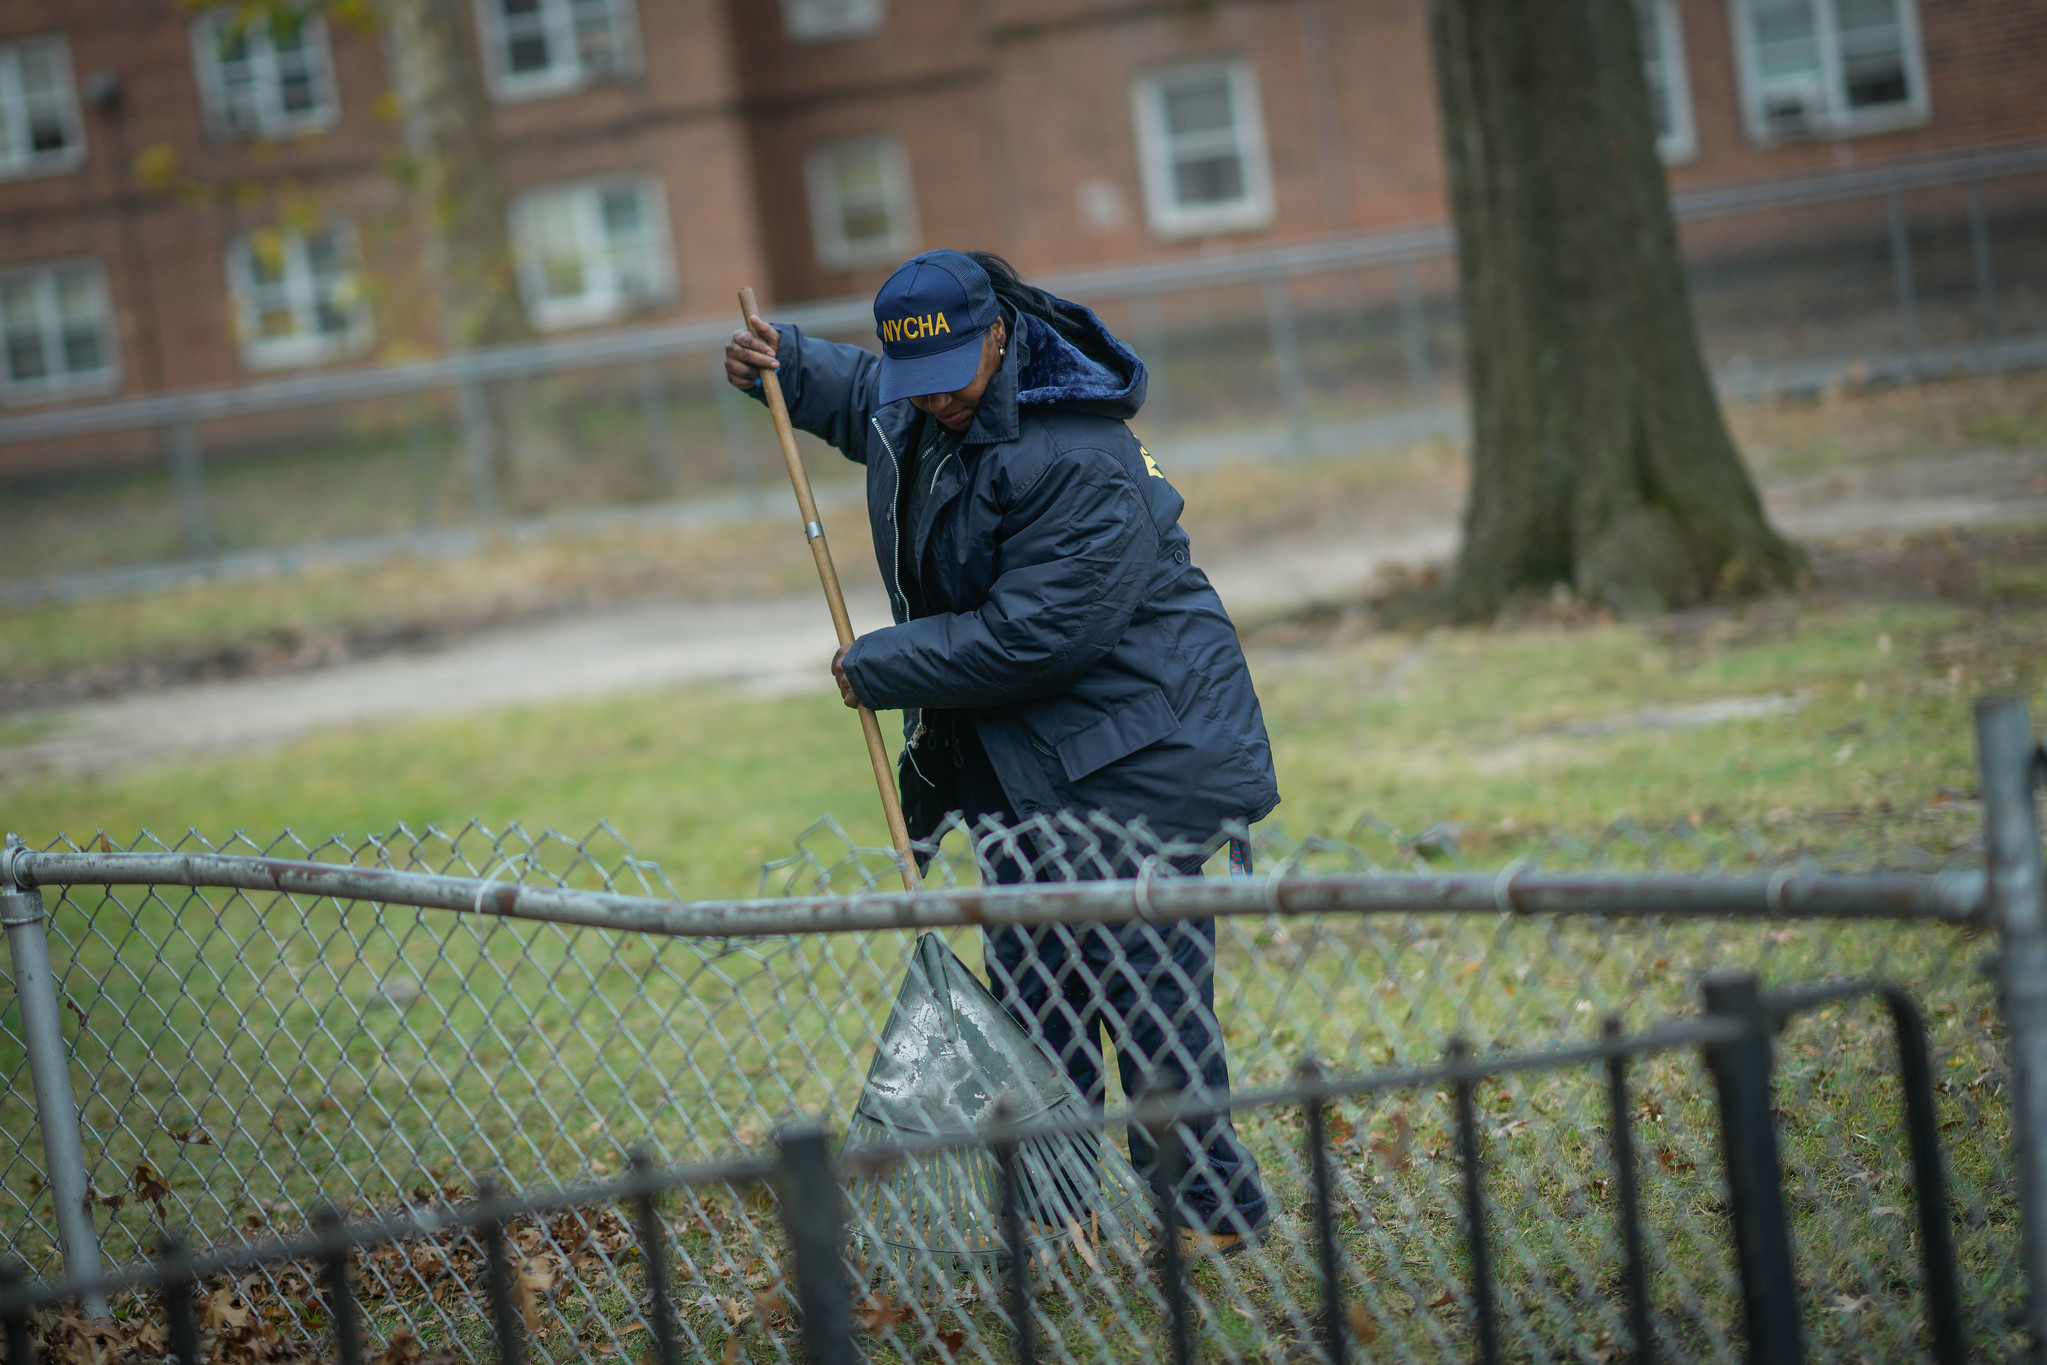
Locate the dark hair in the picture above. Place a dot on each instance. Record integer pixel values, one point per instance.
(1027, 298)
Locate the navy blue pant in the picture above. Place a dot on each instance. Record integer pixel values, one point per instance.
(1151, 987)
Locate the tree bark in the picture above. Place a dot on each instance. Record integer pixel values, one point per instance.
(453, 173)
(1600, 458)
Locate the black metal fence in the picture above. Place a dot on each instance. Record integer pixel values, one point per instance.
(1734, 1035)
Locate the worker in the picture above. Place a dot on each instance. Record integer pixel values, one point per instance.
(1056, 654)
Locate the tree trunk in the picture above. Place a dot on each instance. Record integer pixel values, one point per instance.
(1599, 455)
(454, 176)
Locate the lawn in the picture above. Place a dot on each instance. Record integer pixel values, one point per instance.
(333, 1050)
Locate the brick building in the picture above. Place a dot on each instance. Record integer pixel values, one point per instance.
(187, 203)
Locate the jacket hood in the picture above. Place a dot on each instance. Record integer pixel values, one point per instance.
(1098, 374)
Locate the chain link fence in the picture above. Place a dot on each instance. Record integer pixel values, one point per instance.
(1908, 270)
(249, 1047)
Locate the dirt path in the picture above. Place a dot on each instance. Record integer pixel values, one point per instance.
(780, 645)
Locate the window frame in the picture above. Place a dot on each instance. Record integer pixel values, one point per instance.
(610, 303)
(1166, 216)
(106, 379)
(558, 78)
(1681, 143)
(302, 348)
(30, 164)
(827, 222)
(802, 30)
(1838, 120)
(272, 121)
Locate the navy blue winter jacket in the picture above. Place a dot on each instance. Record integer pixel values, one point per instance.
(1064, 616)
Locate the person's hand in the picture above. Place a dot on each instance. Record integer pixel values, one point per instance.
(751, 351)
(839, 676)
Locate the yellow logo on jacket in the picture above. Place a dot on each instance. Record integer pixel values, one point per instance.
(914, 328)
(1151, 464)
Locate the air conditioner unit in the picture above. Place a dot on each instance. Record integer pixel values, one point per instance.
(1792, 109)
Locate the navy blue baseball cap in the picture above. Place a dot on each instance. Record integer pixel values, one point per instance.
(930, 317)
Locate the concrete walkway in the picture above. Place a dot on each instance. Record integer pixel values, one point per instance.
(765, 647)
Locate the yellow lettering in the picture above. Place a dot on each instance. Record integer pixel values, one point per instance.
(942, 326)
(889, 328)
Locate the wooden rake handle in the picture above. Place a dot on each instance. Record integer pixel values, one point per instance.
(828, 574)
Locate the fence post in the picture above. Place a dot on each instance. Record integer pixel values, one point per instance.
(478, 445)
(1979, 249)
(814, 1215)
(1901, 275)
(1286, 359)
(1755, 1178)
(2005, 754)
(1414, 331)
(49, 1065)
(188, 482)
(739, 433)
(1151, 335)
(660, 435)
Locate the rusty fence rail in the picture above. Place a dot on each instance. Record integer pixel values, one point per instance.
(228, 1041)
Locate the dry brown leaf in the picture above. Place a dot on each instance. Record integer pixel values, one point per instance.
(1394, 1151)
(731, 1350)
(1363, 1325)
(1083, 1244)
(1340, 1130)
(877, 1313)
(150, 1185)
(535, 1279)
(954, 1341)
(223, 1310)
(1446, 1299)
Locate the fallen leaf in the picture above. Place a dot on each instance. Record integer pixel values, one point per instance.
(1363, 1325)
(223, 1310)
(1340, 1130)
(149, 1185)
(1674, 1161)
(731, 1356)
(535, 1279)
(954, 1341)
(1083, 1244)
(1446, 1299)
(877, 1313)
(1393, 1152)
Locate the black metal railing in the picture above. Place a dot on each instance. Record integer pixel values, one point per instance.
(1735, 1035)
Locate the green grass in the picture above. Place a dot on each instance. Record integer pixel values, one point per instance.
(335, 1049)
(530, 1051)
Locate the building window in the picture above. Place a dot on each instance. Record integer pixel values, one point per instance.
(862, 210)
(1201, 144)
(298, 296)
(1670, 89)
(263, 77)
(543, 47)
(1811, 67)
(57, 332)
(812, 21)
(592, 252)
(38, 112)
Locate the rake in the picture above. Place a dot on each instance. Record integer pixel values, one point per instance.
(947, 1056)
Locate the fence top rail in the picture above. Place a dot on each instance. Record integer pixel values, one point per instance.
(628, 345)
(1956, 897)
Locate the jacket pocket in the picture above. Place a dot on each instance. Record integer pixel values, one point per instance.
(1145, 719)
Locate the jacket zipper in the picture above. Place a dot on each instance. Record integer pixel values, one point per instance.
(895, 558)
